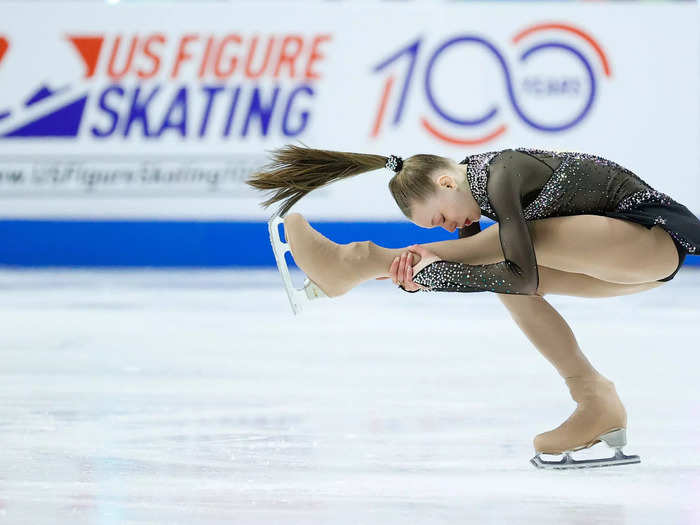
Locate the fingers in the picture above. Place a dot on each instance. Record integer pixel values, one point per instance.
(402, 268)
(408, 268)
(394, 270)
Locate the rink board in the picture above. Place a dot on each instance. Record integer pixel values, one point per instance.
(183, 244)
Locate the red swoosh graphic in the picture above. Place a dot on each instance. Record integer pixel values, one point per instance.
(566, 27)
(4, 46)
(462, 142)
(382, 106)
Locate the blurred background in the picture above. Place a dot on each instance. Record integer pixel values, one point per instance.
(151, 370)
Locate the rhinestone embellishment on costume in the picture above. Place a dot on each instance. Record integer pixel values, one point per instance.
(451, 276)
(655, 197)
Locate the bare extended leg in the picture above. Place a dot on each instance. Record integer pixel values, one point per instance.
(609, 249)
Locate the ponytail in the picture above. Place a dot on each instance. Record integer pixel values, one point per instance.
(295, 171)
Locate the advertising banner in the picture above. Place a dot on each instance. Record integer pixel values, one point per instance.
(160, 111)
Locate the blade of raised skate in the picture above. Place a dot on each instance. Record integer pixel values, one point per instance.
(296, 296)
(567, 462)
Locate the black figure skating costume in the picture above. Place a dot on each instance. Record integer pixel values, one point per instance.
(515, 186)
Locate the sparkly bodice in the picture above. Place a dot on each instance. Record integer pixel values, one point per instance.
(515, 186)
(580, 183)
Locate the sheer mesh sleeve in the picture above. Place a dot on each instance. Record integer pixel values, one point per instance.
(517, 274)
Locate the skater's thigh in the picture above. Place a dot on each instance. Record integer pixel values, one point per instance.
(607, 248)
(559, 282)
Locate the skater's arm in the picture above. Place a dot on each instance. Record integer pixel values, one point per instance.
(517, 274)
(505, 191)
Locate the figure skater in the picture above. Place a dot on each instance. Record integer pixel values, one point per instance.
(567, 223)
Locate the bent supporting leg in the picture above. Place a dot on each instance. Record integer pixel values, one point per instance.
(599, 412)
(549, 333)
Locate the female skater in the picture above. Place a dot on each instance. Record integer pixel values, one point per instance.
(567, 223)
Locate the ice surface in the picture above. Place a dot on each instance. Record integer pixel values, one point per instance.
(197, 397)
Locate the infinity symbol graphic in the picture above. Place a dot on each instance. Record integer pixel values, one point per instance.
(532, 85)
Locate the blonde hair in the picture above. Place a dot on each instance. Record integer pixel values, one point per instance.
(296, 171)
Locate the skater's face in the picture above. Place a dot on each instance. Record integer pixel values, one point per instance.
(451, 206)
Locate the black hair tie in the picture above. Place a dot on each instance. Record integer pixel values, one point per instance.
(394, 163)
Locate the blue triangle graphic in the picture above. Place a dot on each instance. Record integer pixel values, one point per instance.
(42, 93)
(64, 122)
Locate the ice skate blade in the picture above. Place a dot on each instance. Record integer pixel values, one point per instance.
(567, 462)
(297, 297)
(616, 439)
